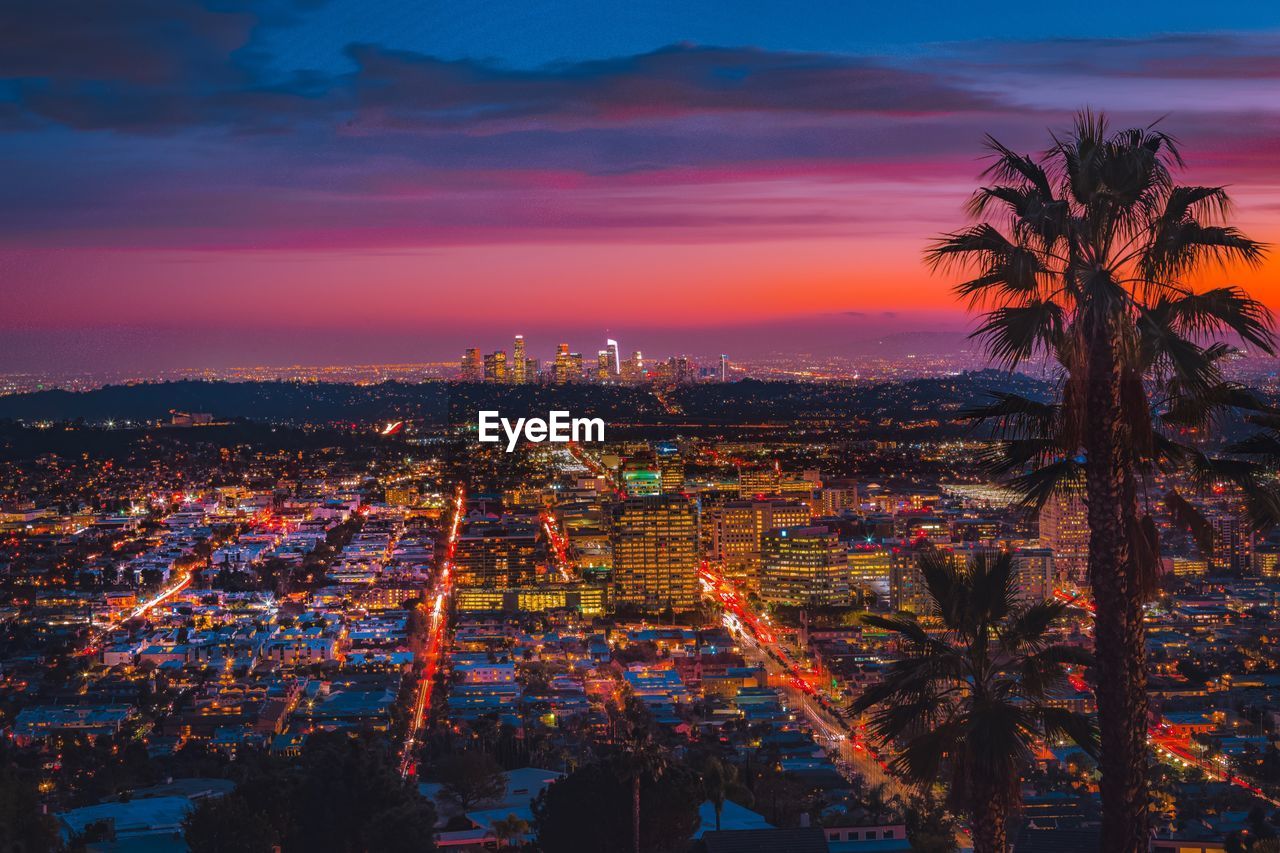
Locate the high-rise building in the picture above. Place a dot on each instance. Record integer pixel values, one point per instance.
(724, 367)
(519, 361)
(496, 555)
(562, 366)
(604, 370)
(611, 348)
(803, 566)
(575, 366)
(1033, 574)
(737, 530)
(655, 552)
(1064, 527)
(495, 367)
(472, 365)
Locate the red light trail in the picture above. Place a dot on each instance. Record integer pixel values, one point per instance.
(435, 640)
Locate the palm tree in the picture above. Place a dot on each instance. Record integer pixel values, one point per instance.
(714, 784)
(974, 699)
(1082, 256)
(639, 757)
(509, 830)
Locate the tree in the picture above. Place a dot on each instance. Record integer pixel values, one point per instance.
(228, 824)
(1082, 256)
(22, 825)
(470, 778)
(974, 700)
(405, 828)
(590, 811)
(639, 757)
(714, 783)
(357, 772)
(510, 829)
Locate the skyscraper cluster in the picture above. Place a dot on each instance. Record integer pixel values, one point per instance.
(567, 367)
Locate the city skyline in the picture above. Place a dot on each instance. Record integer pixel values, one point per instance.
(302, 183)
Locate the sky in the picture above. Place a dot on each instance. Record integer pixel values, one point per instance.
(192, 183)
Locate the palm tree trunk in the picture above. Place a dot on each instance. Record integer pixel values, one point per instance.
(1119, 636)
(635, 814)
(989, 817)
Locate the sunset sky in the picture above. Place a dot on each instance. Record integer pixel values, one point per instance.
(246, 182)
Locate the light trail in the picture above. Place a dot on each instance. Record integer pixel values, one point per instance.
(140, 610)
(559, 546)
(848, 741)
(435, 640)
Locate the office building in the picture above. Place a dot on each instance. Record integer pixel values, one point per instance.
(495, 367)
(655, 552)
(737, 529)
(1064, 527)
(803, 566)
(519, 362)
(472, 366)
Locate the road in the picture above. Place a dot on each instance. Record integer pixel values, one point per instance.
(761, 644)
(433, 649)
(1176, 751)
(559, 546)
(175, 586)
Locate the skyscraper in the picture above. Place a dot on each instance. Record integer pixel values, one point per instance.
(495, 367)
(611, 347)
(1064, 527)
(562, 365)
(519, 361)
(724, 368)
(655, 552)
(603, 370)
(472, 365)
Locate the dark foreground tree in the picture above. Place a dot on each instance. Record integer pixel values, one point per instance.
(590, 811)
(1084, 255)
(969, 704)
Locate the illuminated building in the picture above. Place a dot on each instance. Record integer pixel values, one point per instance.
(1033, 574)
(640, 476)
(1186, 567)
(803, 566)
(724, 368)
(759, 481)
(672, 473)
(472, 365)
(655, 552)
(611, 350)
(587, 599)
(832, 500)
(1064, 527)
(562, 366)
(906, 582)
(869, 570)
(496, 555)
(575, 367)
(495, 367)
(907, 590)
(604, 371)
(1232, 542)
(519, 361)
(1266, 561)
(737, 530)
